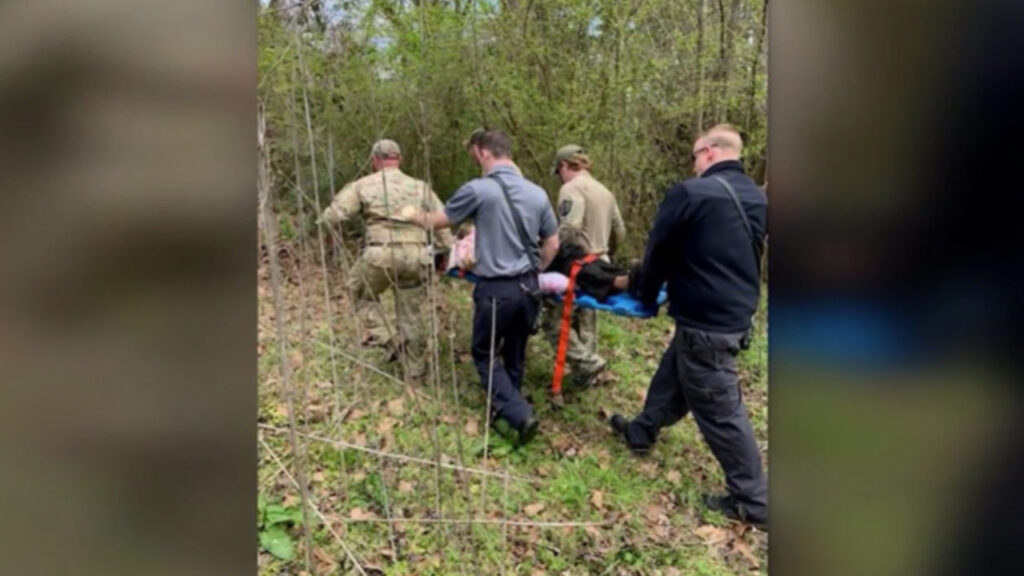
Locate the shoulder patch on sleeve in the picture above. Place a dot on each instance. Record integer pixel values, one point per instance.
(564, 207)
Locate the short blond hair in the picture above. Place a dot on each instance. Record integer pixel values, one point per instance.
(724, 136)
(578, 162)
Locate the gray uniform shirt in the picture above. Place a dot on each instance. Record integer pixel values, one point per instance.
(499, 251)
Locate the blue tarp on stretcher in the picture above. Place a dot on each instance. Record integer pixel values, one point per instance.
(621, 304)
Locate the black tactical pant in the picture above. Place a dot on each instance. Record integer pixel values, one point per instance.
(698, 374)
(514, 311)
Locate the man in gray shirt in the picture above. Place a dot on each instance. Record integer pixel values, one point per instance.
(507, 262)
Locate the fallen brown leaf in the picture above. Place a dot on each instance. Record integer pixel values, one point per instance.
(711, 535)
(472, 427)
(281, 411)
(674, 477)
(533, 509)
(741, 547)
(331, 518)
(649, 469)
(662, 532)
(654, 512)
(405, 487)
(360, 514)
(397, 406)
(597, 499)
(317, 412)
(386, 424)
(327, 564)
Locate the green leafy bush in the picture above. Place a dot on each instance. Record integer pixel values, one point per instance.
(272, 522)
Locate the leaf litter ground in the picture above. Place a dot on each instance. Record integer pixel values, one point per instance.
(645, 512)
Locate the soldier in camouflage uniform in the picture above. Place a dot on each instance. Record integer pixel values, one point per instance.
(396, 255)
(588, 216)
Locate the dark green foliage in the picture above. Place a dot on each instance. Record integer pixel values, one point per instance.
(619, 77)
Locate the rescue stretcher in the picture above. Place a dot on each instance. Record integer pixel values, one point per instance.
(620, 304)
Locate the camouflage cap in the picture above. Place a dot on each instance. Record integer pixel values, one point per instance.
(386, 149)
(564, 153)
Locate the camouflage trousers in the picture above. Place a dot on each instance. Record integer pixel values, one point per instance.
(581, 352)
(404, 269)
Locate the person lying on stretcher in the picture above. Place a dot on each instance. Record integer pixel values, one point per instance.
(598, 278)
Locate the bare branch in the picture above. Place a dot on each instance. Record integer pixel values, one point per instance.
(502, 522)
(401, 457)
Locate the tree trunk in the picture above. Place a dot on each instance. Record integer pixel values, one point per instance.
(317, 8)
(726, 53)
(700, 66)
(755, 66)
(264, 173)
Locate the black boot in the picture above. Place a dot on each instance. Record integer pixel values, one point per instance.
(734, 510)
(528, 432)
(620, 425)
(520, 437)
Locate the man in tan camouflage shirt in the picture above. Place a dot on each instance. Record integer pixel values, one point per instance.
(397, 253)
(589, 216)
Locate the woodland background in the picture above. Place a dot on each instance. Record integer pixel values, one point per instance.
(630, 80)
(362, 472)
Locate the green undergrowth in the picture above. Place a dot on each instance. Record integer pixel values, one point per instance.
(646, 510)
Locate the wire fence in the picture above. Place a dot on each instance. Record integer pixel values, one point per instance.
(297, 322)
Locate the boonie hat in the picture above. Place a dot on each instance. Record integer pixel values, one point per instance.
(564, 153)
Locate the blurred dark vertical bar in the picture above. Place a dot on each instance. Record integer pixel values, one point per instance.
(978, 297)
(895, 293)
(127, 305)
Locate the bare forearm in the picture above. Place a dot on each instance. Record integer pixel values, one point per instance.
(548, 250)
(432, 220)
(618, 239)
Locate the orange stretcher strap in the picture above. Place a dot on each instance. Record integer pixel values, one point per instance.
(563, 335)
